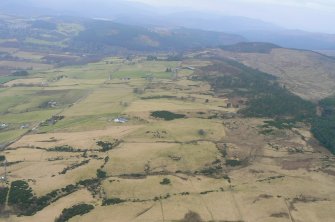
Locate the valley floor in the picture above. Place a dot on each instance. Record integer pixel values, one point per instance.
(211, 164)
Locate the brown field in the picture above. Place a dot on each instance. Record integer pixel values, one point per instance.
(138, 188)
(47, 184)
(80, 140)
(25, 65)
(134, 157)
(182, 130)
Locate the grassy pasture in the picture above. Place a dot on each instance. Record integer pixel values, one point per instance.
(78, 123)
(71, 83)
(43, 42)
(182, 130)
(123, 212)
(19, 100)
(5, 79)
(25, 81)
(47, 184)
(174, 209)
(35, 57)
(35, 155)
(7, 49)
(138, 188)
(101, 70)
(28, 117)
(168, 105)
(132, 158)
(10, 135)
(102, 101)
(79, 140)
(13, 97)
(69, 28)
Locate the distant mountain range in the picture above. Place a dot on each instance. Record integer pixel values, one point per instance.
(292, 38)
(99, 37)
(137, 14)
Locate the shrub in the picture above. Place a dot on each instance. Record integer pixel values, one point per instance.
(159, 97)
(226, 177)
(192, 217)
(88, 182)
(165, 181)
(112, 201)
(74, 166)
(106, 146)
(101, 174)
(3, 195)
(166, 115)
(152, 58)
(73, 211)
(20, 73)
(69, 188)
(21, 195)
(138, 91)
(25, 203)
(64, 148)
(233, 163)
(210, 171)
(201, 132)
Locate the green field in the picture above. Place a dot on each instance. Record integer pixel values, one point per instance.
(4, 79)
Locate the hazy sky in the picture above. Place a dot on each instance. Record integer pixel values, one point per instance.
(312, 15)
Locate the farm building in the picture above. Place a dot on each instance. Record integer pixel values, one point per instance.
(120, 120)
(3, 125)
(25, 126)
(52, 104)
(185, 67)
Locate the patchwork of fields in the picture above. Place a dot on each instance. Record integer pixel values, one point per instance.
(206, 161)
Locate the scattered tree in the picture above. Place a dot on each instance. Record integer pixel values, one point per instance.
(192, 217)
(201, 132)
(101, 174)
(165, 181)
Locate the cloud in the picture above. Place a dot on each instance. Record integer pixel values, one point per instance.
(314, 4)
(312, 15)
(311, 4)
